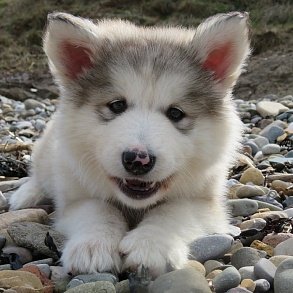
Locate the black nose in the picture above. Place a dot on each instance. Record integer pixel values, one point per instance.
(138, 162)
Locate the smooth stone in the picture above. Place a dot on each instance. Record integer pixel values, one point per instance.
(122, 287)
(212, 264)
(248, 284)
(259, 245)
(265, 269)
(244, 257)
(226, 280)
(253, 146)
(261, 285)
(252, 175)
(236, 246)
(261, 141)
(284, 248)
(283, 282)
(270, 149)
(268, 108)
(233, 231)
(238, 290)
(274, 239)
(210, 247)
(247, 272)
(242, 207)
(268, 202)
(283, 186)
(249, 191)
(278, 259)
(183, 280)
(83, 279)
(24, 254)
(197, 266)
(32, 235)
(95, 287)
(33, 104)
(212, 274)
(253, 224)
(271, 214)
(45, 269)
(26, 215)
(272, 132)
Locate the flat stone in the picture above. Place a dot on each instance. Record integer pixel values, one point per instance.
(95, 287)
(283, 282)
(285, 187)
(274, 239)
(213, 274)
(210, 247)
(249, 191)
(268, 108)
(253, 224)
(261, 141)
(252, 175)
(261, 285)
(245, 256)
(272, 132)
(278, 259)
(272, 214)
(270, 149)
(26, 215)
(257, 244)
(184, 281)
(268, 202)
(284, 248)
(83, 279)
(247, 272)
(242, 207)
(226, 280)
(265, 269)
(32, 235)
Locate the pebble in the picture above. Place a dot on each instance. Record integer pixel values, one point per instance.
(89, 278)
(252, 175)
(274, 239)
(283, 282)
(26, 215)
(248, 284)
(183, 280)
(210, 247)
(238, 290)
(270, 214)
(249, 191)
(268, 108)
(284, 248)
(24, 254)
(261, 141)
(245, 256)
(212, 274)
(247, 272)
(270, 149)
(262, 246)
(226, 280)
(33, 104)
(211, 265)
(278, 259)
(95, 287)
(32, 235)
(272, 132)
(242, 207)
(268, 202)
(262, 285)
(197, 266)
(253, 224)
(265, 269)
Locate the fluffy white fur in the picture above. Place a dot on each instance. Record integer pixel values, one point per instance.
(76, 156)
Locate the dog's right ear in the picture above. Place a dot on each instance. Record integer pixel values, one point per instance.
(69, 43)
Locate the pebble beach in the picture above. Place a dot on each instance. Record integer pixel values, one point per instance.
(255, 256)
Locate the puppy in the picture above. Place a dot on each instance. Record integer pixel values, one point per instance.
(137, 154)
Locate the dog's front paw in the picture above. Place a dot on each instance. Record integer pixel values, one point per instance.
(156, 253)
(82, 255)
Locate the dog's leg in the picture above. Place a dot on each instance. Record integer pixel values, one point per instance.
(94, 230)
(161, 239)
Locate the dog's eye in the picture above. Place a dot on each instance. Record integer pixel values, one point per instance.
(117, 106)
(175, 114)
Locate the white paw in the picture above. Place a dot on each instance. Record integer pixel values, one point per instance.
(90, 255)
(26, 196)
(155, 253)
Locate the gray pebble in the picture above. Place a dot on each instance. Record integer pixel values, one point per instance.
(272, 132)
(247, 273)
(242, 207)
(284, 248)
(210, 247)
(265, 269)
(270, 149)
(184, 281)
(283, 282)
(33, 104)
(40, 124)
(249, 191)
(95, 287)
(45, 269)
(261, 285)
(254, 147)
(226, 280)
(268, 202)
(257, 223)
(245, 256)
(212, 264)
(261, 141)
(83, 279)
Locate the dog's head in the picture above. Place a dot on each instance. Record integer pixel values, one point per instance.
(144, 108)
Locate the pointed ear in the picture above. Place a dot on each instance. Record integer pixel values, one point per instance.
(221, 46)
(69, 43)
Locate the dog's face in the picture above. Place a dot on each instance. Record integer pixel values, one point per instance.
(146, 107)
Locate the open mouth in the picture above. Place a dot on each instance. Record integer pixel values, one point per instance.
(137, 189)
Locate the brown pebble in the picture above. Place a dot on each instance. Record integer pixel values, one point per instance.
(213, 274)
(273, 239)
(248, 284)
(262, 246)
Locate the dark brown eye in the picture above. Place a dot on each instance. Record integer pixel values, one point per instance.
(117, 106)
(175, 114)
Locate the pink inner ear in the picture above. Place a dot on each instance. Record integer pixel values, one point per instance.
(218, 61)
(76, 58)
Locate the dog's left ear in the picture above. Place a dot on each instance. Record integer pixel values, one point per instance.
(221, 45)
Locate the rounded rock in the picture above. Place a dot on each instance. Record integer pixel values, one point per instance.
(248, 284)
(226, 280)
(283, 282)
(284, 248)
(210, 247)
(100, 286)
(249, 191)
(261, 285)
(278, 259)
(271, 149)
(253, 224)
(245, 256)
(268, 108)
(273, 239)
(252, 175)
(242, 207)
(196, 265)
(211, 265)
(247, 273)
(24, 254)
(265, 269)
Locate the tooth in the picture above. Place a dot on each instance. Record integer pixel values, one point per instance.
(124, 181)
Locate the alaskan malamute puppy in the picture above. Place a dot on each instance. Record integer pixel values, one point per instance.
(137, 154)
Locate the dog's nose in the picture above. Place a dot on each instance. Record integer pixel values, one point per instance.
(138, 161)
